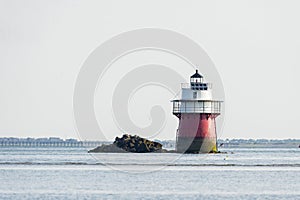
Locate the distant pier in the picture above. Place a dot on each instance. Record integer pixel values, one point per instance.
(47, 142)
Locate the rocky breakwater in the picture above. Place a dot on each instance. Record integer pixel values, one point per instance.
(130, 143)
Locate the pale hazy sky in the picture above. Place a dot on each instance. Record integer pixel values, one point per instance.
(255, 46)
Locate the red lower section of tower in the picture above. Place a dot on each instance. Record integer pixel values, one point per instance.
(196, 133)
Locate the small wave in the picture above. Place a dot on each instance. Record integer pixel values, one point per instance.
(153, 164)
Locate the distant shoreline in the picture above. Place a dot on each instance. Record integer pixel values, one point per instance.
(284, 145)
(169, 144)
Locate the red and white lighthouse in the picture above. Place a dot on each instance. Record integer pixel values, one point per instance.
(197, 112)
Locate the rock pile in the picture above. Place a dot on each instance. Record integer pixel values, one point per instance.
(130, 143)
(137, 144)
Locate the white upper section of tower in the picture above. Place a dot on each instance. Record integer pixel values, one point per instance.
(196, 101)
(189, 94)
(196, 89)
(196, 97)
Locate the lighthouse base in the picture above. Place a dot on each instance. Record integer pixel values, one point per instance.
(196, 145)
(196, 133)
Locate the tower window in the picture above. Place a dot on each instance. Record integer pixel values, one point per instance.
(195, 95)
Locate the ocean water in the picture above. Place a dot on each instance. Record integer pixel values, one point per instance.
(72, 173)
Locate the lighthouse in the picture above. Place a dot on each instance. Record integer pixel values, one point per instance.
(197, 112)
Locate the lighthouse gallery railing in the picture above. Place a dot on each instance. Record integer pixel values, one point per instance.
(198, 106)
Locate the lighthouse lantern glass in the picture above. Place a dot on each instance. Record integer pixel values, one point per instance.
(196, 80)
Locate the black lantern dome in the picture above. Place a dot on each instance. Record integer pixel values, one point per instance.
(197, 75)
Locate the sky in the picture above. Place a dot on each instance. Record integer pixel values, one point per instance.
(253, 44)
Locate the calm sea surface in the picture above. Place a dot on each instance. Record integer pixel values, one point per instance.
(72, 173)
